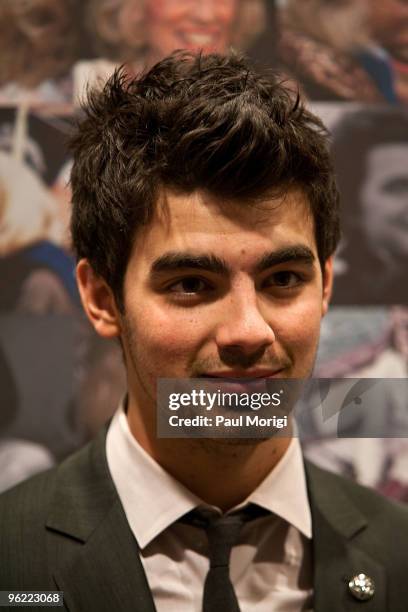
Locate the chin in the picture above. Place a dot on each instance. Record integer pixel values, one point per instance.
(221, 445)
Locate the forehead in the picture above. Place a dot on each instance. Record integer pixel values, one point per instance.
(204, 223)
(387, 159)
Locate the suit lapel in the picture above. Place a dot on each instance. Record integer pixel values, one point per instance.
(337, 556)
(106, 573)
(103, 571)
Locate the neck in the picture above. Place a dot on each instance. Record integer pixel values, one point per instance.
(221, 472)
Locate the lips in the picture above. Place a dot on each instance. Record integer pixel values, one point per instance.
(250, 381)
(247, 374)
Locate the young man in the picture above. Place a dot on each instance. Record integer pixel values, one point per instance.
(205, 220)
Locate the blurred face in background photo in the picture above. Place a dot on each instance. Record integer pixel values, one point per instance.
(384, 201)
(389, 22)
(41, 19)
(39, 40)
(190, 24)
(139, 33)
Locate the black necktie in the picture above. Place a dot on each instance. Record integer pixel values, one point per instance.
(222, 533)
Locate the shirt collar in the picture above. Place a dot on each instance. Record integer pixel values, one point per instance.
(284, 490)
(153, 500)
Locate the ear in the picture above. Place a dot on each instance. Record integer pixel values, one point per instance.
(327, 284)
(98, 301)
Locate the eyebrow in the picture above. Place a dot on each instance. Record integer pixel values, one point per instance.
(174, 260)
(298, 253)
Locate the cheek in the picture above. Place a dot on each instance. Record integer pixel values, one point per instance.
(226, 13)
(299, 327)
(167, 334)
(162, 13)
(373, 199)
(130, 17)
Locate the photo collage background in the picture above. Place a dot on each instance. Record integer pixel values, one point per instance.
(349, 58)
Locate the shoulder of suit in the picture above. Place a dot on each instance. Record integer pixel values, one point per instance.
(29, 501)
(373, 505)
(30, 495)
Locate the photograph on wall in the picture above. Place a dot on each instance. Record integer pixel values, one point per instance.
(370, 154)
(346, 50)
(348, 60)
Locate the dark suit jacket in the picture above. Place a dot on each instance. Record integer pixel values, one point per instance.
(66, 530)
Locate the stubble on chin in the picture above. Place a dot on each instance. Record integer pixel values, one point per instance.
(223, 447)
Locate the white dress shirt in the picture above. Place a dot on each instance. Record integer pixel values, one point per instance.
(270, 568)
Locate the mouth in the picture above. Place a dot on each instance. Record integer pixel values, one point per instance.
(244, 376)
(246, 382)
(202, 39)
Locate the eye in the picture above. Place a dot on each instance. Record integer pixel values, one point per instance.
(285, 279)
(190, 285)
(396, 186)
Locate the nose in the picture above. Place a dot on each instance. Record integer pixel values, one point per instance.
(204, 10)
(244, 330)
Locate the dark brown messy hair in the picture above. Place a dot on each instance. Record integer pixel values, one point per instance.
(192, 122)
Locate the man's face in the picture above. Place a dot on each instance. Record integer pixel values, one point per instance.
(188, 24)
(389, 20)
(384, 200)
(212, 290)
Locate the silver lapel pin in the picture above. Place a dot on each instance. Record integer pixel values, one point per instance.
(361, 587)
